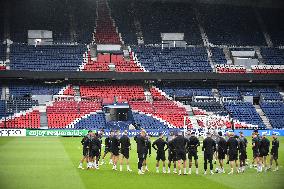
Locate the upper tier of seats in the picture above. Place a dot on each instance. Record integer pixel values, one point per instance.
(166, 17)
(50, 15)
(123, 14)
(2, 52)
(191, 59)
(231, 25)
(273, 21)
(105, 32)
(274, 112)
(218, 56)
(47, 58)
(214, 107)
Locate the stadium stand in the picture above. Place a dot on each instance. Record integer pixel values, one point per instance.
(275, 113)
(173, 60)
(218, 56)
(47, 58)
(123, 15)
(273, 56)
(231, 25)
(271, 17)
(105, 32)
(104, 60)
(244, 112)
(214, 107)
(50, 15)
(62, 114)
(91, 121)
(28, 90)
(169, 17)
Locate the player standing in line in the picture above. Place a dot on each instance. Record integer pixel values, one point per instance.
(95, 146)
(107, 148)
(100, 137)
(274, 152)
(141, 149)
(233, 146)
(222, 151)
(192, 146)
(264, 150)
(180, 145)
(147, 151)
(255, 150)
(243, 151)
(115, 149)
(85, 143)
(208, 147)
(171, 153)
(215, 137)
(125, 146)
(160, 145)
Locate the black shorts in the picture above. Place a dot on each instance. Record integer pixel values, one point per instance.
(172, 156)
(107, 150)
(208, 156)
(161, 156)
(255, 153)
(94, 153)
(115, 152)
(181, 155)
(125, 153)
(221, 155)
(85, 151)
(274, 155)
(192, 153)
(264, 153)
(243, 155)
(233, 156)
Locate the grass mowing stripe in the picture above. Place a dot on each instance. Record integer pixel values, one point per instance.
(36, 163)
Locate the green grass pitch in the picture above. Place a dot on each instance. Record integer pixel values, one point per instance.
(51, 162)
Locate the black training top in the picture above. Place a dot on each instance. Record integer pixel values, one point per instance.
(209, 145)
(107, 142)
(222, 145)
(124, 142)
(141, 144)
(160, 145)
(95, 143)
(243, 144)
(275, 146)
(255, 142)
(264, 145)
(180, 143)
(193, 143)
(114, 143)
(85, 142)
(232, 145)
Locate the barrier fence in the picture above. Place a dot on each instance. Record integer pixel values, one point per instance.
(131, 133)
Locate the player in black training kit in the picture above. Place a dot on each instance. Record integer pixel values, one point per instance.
(192, 146)
(124, 150)
(222, 151)
(95, 146)
(115, 149)
(208, 147)
(180, 145)
(160, 145)
(172, 156)
(85, 143)
(233, 147)
(147, 152)
(243, 151)
(274, 152)
(107, 148)
(141, 149)
(255, 150)
(264, 151)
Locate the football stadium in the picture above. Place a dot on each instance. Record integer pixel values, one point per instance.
(141, 94)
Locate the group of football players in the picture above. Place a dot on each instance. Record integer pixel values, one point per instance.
(228, 148)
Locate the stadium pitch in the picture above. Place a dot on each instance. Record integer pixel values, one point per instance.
(51, 162)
